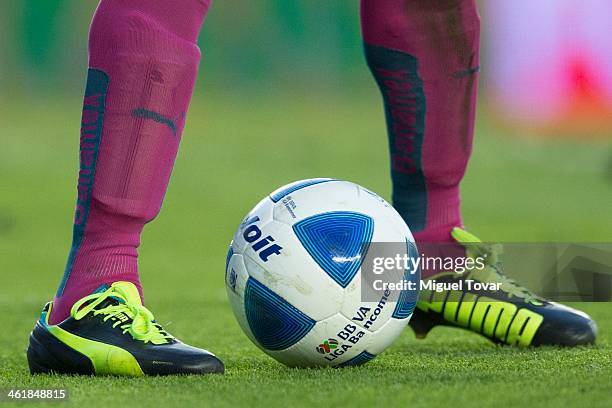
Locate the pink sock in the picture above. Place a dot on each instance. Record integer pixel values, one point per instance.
(425, 57)
(143, 61)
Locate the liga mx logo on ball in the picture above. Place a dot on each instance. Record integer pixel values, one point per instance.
(293, 274)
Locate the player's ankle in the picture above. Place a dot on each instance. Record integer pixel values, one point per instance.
(437, 233)
(437, 243)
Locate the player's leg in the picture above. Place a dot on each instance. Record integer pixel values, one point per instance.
(143, 61)
(424, 56)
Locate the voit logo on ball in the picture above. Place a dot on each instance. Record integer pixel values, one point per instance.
(327, 346)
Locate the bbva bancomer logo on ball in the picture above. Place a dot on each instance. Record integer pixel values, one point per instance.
(292, 274)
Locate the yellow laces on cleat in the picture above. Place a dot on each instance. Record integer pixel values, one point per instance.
(492, 271)
(142, 325)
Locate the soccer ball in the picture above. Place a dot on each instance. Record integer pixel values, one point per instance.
(293, 274)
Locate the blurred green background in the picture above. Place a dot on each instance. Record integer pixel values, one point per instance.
(251, 43)
(315, 103)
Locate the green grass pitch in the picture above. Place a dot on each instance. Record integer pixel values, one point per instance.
(233, 153)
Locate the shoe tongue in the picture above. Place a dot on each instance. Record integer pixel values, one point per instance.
(463, 237)
(129, 291)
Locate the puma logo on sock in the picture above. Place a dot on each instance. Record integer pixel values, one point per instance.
(157, 117)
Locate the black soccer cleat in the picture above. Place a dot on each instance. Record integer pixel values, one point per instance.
(111, 333)
(497, 307)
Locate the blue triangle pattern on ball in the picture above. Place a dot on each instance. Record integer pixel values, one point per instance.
(275, 323)
(358, 360)
(408, 298)
(337, 241)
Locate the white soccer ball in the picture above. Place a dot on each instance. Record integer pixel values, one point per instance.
(293, 274)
